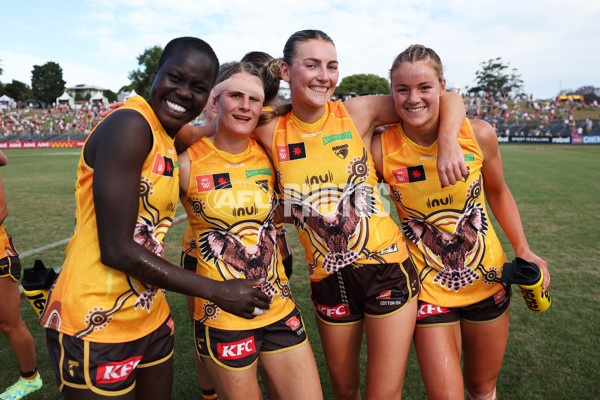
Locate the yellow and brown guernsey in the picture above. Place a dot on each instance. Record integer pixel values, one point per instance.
(329, 185)
(92, 301)
(230, 204)
(450, 238)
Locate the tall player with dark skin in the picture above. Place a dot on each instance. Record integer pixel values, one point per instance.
(115, 162)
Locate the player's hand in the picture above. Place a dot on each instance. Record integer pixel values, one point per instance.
(242, 298)
(451, 163)
(532, 257)
(112, 107)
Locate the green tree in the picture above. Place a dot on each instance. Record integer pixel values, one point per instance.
(47, 82)
(141, 78)
(495, 77)
(110, 95)
(79, 97)
(18, 90)
(362, 84)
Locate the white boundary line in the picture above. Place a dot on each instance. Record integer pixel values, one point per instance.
(31, 252)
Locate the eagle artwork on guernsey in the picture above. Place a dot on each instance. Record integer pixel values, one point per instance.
(240, 247)
(454, 254)
(339, 236)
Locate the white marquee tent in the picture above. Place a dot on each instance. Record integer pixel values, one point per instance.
(65, 99)
(99, 98)
(7, 102)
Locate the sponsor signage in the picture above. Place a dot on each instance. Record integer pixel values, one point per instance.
(409, 174)
(42, 145)
(235, 350)
(290, 152)
(116, 371)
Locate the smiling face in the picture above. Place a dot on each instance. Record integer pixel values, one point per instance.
(181, 87)
(313, 75)
(416, 90)
(238, 107)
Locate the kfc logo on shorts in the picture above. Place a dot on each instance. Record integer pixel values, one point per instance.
(116, 371)
(235, 350)
(427, 310)
(341, 310)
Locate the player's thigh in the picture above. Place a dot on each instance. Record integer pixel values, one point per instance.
(484, 345)
(388, 346)
(341, 345)
(156, 381)
(234, 384)
(439, 354)
(294, 373)
(10, 313)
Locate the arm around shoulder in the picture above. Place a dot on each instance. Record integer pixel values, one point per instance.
(450, 162)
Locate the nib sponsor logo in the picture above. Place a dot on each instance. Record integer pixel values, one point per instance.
(500, 296)
(116, 371)
(290, 152)
(163, 165)
(293, 323)
(390, 294)
(409, 174)
(235, 350)
(205, 183)
(426, 310)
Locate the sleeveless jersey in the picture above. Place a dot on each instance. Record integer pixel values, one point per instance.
(189, 245)
(230, 204)
(6, 244)
(329, 186)
(92, 301)
(450, 237)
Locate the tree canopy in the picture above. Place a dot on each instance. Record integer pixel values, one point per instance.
(494, 77)
(47, 82)
(18, 90)
(141, 78)
(362, 84)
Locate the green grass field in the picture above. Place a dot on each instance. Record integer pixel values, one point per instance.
(553, 355)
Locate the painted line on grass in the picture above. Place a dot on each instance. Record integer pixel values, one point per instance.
(28, 253)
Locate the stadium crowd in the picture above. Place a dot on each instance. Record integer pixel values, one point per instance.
(59, 123)
(509, 117)
(529, 117)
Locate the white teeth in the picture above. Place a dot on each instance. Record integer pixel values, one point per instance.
(414, 110)
(175, 107)
(319, 89)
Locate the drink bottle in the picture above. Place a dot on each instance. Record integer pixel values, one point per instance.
(529, 277)
(36, 282)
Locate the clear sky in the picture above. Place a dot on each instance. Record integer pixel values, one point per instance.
(554, 44)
